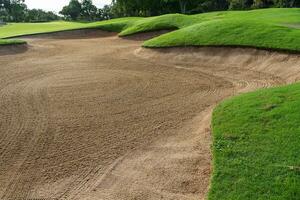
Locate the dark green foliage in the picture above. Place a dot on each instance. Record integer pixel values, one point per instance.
(105, 12)
(12, 10)
(121, 8)
(16, 11)
(88, 10)
(38, 15)
(85, 10)
(72, 11)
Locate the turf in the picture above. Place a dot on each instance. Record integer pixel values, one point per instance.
(276, 28)
(21, 29)
(268, 28)
(256, 146)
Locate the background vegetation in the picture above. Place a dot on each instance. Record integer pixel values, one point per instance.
(17, 11)
(157, 7)
(85, 10)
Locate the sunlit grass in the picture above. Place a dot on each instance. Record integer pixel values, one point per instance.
(256, 146)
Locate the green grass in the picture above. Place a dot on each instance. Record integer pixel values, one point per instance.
(256, 146)
(266, 28)
(10, 42)
(276, 28)
(21, 29)
(256, 136)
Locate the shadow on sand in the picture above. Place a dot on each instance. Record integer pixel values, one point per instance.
(13, 49)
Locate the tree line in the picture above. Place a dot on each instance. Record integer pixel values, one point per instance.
(85, 10)
(17, 11)
(121, 8)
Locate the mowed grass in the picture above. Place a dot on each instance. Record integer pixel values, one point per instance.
(267, 28)
(21, 29)
(276, 28)
(256, 146)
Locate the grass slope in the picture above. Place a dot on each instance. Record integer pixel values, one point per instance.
(267, 28)
(256, 146)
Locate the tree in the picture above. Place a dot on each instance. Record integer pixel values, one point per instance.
(38, 15)
(121, 8)
(240, 4)
(182, 4)
(16, 10)
(84, 10)
(263, 3)
(88, 10)
(72, 11)
(106, 12)
(287, 3)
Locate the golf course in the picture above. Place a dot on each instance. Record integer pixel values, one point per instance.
(175, 106)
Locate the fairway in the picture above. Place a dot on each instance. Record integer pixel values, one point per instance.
(21, 29)
(103, 118)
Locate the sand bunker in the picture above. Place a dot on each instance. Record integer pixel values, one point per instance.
(93, 117)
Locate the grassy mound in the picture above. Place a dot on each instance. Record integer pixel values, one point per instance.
(267, 28)
(256, 146)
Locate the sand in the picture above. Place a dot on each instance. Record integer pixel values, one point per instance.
(86, 115)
